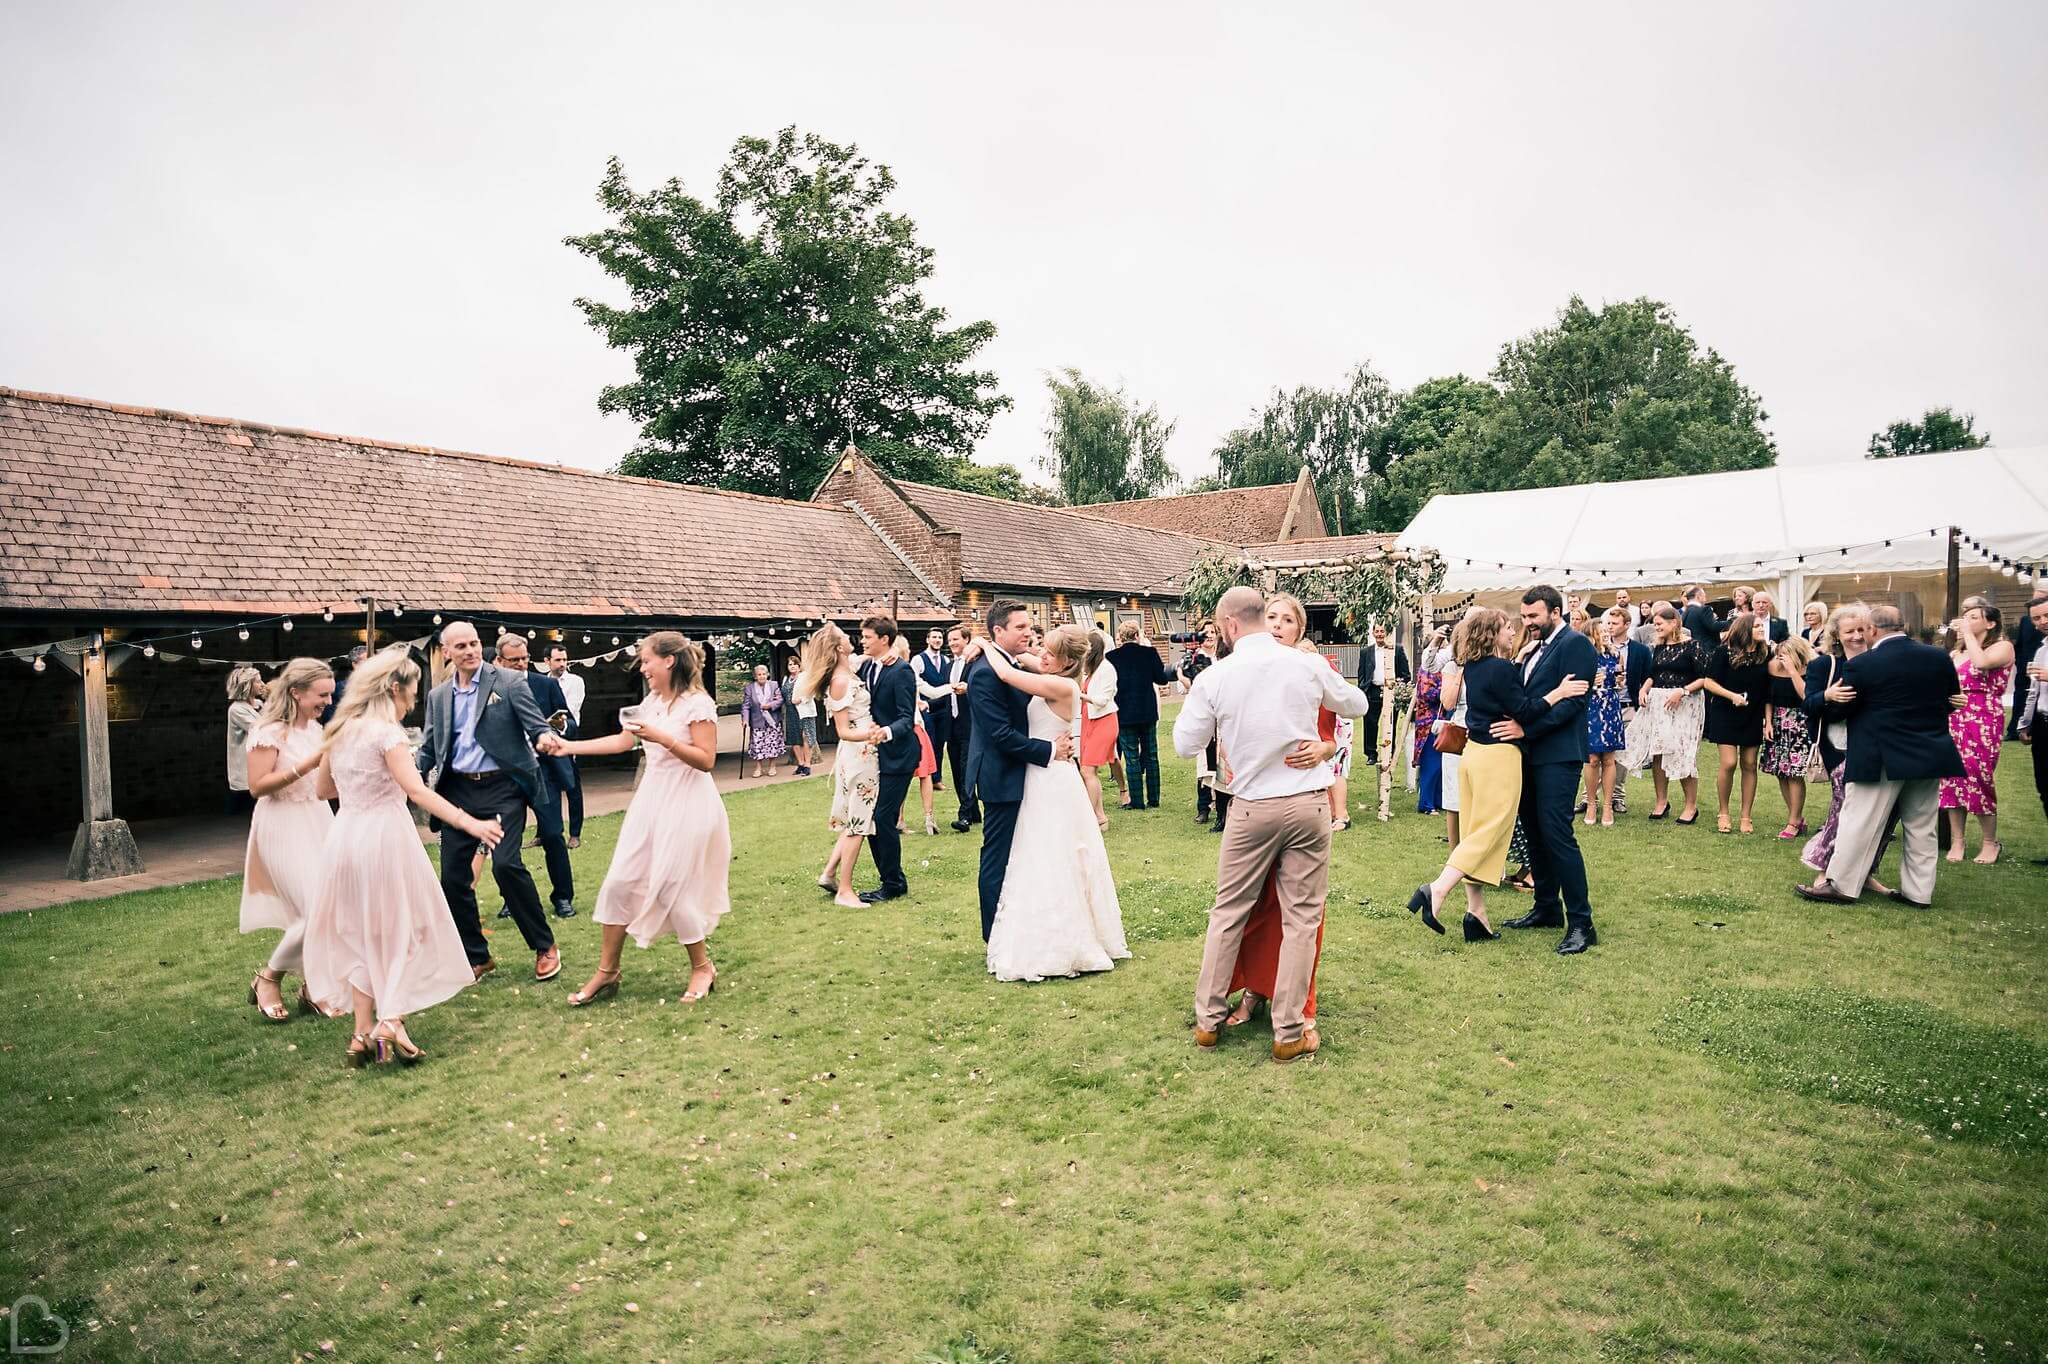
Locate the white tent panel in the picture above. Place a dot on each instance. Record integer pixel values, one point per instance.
(1717, 527)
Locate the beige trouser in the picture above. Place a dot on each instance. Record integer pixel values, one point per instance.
(1292, 832)
(1866, 809)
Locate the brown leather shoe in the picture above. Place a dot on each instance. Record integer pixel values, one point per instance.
(1205, 1038)
(484, 968)
(548, 964)
(1304, 1045)
(1830, 896)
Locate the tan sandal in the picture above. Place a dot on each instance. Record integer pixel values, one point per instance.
(275, 1013)
(603, 989)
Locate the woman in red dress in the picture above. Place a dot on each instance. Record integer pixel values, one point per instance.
(1258, 956)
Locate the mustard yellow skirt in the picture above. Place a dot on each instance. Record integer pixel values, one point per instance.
(1489, 794)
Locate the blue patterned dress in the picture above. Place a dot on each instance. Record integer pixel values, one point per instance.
(1605, 730)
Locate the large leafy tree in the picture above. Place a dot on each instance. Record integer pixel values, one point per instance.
(1103, 447)
(780, 321)
(1333, 431)
(1940, 429)
(1411, 447)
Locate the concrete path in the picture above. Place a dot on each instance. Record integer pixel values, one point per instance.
(190, 848)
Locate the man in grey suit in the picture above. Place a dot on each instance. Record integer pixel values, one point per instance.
(478, 751)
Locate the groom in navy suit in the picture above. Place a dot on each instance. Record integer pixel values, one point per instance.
(1553, 752)
(999, 746)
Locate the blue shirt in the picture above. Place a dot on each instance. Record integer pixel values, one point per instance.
(468, 756)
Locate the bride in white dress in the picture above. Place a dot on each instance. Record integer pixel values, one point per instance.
(1058, 913)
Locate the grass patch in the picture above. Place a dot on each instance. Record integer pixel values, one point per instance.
(861, 1146)
(1947, 1078)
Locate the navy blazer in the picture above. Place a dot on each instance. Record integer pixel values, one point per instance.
(1638, 661)
(1000, 743)
(1819, 710)
(1704, 627)
(892, 701)
(1559, 734)
(1139, 669)
(1898, 723)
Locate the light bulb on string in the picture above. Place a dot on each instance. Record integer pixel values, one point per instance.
(242, 633)
(327, 614)
(437, 618)
(586, 639)
(195, 641)
(149, 651)
(615, 639)
(398, 610)
(286, 625)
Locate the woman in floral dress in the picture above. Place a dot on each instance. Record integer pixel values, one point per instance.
(856, 771)
(1606, 732)
(1790, 750)
(1984, 662)
(761, 712)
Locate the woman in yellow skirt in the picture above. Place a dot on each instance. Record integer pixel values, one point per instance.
(1489, 770)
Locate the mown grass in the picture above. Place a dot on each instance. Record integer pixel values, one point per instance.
(1708, 1139)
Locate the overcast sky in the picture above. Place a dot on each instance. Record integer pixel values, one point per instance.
(350, 217)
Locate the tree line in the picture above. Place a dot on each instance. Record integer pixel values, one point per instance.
(784, 317)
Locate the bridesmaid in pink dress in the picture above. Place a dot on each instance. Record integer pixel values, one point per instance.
(288, 830)
(668, 873)
(1984, 662)
(379, 938)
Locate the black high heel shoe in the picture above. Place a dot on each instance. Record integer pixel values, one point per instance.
(1476, 931)
(1420, 900)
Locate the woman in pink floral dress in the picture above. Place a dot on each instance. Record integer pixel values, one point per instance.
(1983, 667)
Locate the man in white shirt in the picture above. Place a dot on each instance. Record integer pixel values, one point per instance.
(1259, 706)
(567, 774)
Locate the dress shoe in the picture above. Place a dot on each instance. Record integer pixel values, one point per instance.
(2039, 861)
(1420, 901)
(1577, 940)
(876, 897)
(1535, 919)
(1206, 1038)
(483, 968)
(961, 826)
(1304, 1045)
(1830, 896)
(505, 913)
(1908, 901)
(547, 965)
(1476, 931)
(565, 909)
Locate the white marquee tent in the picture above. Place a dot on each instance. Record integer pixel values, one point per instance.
(1790, 527)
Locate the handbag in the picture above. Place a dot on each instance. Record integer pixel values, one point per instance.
(1451, 738)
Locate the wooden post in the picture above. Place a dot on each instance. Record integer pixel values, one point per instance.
(892, 603)
(370, 623)
(1954, 606)
(104, 846)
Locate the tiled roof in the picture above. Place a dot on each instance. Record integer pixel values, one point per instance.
(1238, 516)
(1021, 544)
(123, 509)
(1289, 552)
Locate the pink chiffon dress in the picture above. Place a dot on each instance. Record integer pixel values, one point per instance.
(379, 922)
(669, 870)
(287, 838)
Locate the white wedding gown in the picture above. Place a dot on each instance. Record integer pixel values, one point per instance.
(1058, 914)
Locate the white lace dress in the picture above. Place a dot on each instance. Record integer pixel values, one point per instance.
(1058, 915)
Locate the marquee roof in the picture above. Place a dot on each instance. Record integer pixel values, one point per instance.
(1747, 525)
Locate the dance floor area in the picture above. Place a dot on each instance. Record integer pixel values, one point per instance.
(1743, 1127)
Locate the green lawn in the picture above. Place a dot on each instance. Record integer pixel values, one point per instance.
(1743, 1128)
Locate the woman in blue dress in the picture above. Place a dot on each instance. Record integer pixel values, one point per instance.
(1606, 731)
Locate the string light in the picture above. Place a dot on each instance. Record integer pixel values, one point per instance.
(242, 633)
(437, 618)
(195, 641)
(149, 651)
(327, 614)
(287, 624)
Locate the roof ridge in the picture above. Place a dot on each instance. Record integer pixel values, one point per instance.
(1061, 511)
(1187, 497)
(403, 447)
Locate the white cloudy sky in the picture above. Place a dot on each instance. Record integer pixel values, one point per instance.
(350, 216)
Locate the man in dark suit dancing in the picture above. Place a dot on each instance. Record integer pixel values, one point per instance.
(478, 751)
(1553, 752)
(1001, 747)
(961, 732)
(1899, 750)
(892, 692)
(547, 782)
(2030, 705)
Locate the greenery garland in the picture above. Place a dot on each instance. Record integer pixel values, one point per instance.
(1381, 585)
